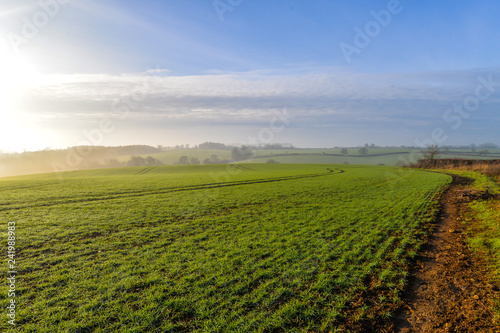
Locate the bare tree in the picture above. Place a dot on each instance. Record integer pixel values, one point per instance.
(183, 160)
(363, 151)
(483, 152)
(194, 160)
(241, 153)
(431, 152)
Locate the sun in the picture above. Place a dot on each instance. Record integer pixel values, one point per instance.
(17, 75)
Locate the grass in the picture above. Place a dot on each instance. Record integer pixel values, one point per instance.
(487, 238)
(481, 182)
(485, 174)
(484, 216)
(216, 248)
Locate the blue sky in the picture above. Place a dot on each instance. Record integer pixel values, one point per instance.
(192, 71)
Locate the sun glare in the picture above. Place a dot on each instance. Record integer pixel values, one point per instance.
(17, 75)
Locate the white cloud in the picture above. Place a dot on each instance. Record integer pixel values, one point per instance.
(157, 71)
(240, 98)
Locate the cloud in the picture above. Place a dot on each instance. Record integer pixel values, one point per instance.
(236, 99)
(157, 71)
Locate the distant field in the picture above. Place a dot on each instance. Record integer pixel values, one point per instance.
(214, 248)
(85, 158)
(375, 156)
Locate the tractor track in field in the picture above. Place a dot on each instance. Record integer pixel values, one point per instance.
(449, 290)
(133, 194)
(146, 170)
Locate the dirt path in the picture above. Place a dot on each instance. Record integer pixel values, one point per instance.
(448, 291)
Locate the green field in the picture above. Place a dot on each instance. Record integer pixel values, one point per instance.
(214, 248)
(374, 156)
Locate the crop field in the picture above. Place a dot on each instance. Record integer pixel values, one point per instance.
(374, 156)
(214, 248)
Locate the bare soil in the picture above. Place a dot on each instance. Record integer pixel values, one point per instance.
(449, 290)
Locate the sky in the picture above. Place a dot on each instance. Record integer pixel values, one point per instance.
(318, 73)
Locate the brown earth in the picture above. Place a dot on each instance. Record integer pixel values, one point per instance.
(449, 290)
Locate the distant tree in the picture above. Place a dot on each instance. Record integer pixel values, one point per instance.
(241, 153)
(484, 152)
(183, 160)
(194, 160)
(150, 160)
(212, 145)
(488, 145)
(363, 151)
(272, 146)
(134, 150)
(473, 147)
(136, 161)
(271, 160)
(344, 151)
(431, 152)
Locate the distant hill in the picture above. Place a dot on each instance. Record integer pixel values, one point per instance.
(72, 158)
(95, 157)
